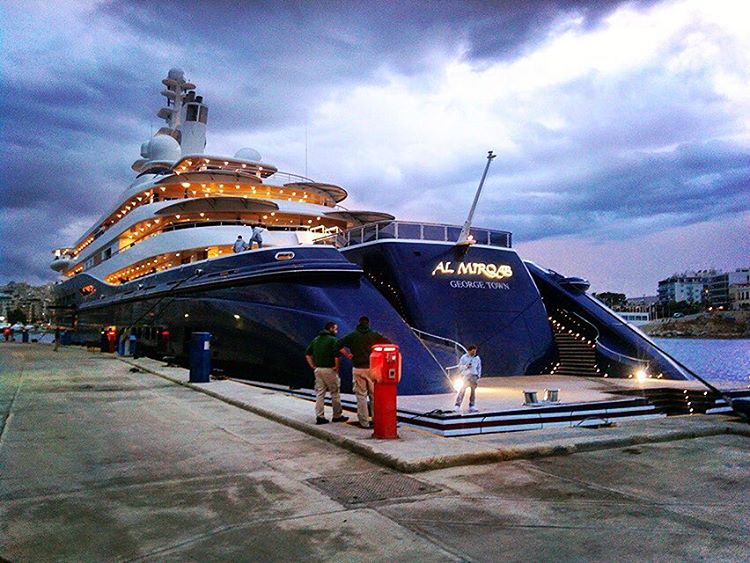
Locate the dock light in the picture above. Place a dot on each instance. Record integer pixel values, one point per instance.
(458, 383)
(236, 317)
(641, 375)
(187, 315)
(186, 184)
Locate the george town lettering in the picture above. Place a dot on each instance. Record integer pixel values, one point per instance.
(478, 284)
(479, 269)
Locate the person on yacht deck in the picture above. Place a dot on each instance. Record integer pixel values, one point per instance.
(257, 236)
(239, 245)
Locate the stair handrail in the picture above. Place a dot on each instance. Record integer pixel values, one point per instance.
(455, 344)
(624, 358)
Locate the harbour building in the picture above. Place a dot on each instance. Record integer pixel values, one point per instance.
(724, 289)
(690, 287)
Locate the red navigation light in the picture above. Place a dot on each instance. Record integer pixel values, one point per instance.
(165, 333)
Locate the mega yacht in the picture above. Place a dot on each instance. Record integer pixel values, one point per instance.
(160, 264)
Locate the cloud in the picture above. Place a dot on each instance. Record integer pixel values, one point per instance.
(634, 266)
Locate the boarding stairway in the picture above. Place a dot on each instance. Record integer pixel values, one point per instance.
(675, 401)
(576, 346)
(577, 342)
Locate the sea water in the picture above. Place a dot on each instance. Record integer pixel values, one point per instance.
(725, 363)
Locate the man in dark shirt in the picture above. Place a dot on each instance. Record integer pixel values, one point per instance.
(358, 343)
(322, 356)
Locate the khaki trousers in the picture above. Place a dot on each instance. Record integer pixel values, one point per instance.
(364, 389)
(326, 379)
(471, 382)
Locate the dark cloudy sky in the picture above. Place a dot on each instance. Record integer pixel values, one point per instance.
(622, 128)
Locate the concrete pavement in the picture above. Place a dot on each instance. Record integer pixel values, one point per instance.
(418, 450)
(100, 463)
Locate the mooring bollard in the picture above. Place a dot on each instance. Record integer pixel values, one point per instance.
(200, 357)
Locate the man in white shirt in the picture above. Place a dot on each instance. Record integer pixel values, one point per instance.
(470, 366)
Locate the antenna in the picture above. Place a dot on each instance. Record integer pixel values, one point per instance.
(465, 237)
(306, 122)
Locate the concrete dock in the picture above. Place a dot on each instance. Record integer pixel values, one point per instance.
(98, 462)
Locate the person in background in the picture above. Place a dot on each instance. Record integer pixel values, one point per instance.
(257, 236)
(323, 357)
(57, 339)
(239, 245)
(356, 346)
(470, 366)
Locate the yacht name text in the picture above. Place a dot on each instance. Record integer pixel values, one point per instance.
(479, 269)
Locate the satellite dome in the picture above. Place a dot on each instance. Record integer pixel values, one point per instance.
(248, 154)
(176, 74)
(161, 147)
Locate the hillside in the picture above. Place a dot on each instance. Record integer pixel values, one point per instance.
(730, 324)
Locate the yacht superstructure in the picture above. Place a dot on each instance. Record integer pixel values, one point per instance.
(185, 206)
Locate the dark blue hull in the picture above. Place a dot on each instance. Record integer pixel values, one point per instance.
(262, 314)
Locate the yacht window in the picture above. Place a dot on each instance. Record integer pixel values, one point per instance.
(156, 171)
(192, 112)
(204, 114)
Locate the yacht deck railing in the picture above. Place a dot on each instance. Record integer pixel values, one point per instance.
(411, 230)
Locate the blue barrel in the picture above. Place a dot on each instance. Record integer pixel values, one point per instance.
(103, 342)
(64, 338)
(25, 336)
(121, 345)
(200, 357)
(131, 345)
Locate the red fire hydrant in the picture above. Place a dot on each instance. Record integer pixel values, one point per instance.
(385, 370)
(111, 341)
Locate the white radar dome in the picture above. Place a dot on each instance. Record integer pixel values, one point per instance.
(248, 154)
(161, 147)
(176, 74)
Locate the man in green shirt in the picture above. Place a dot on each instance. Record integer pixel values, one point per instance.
(359, 342)
(322, 356)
